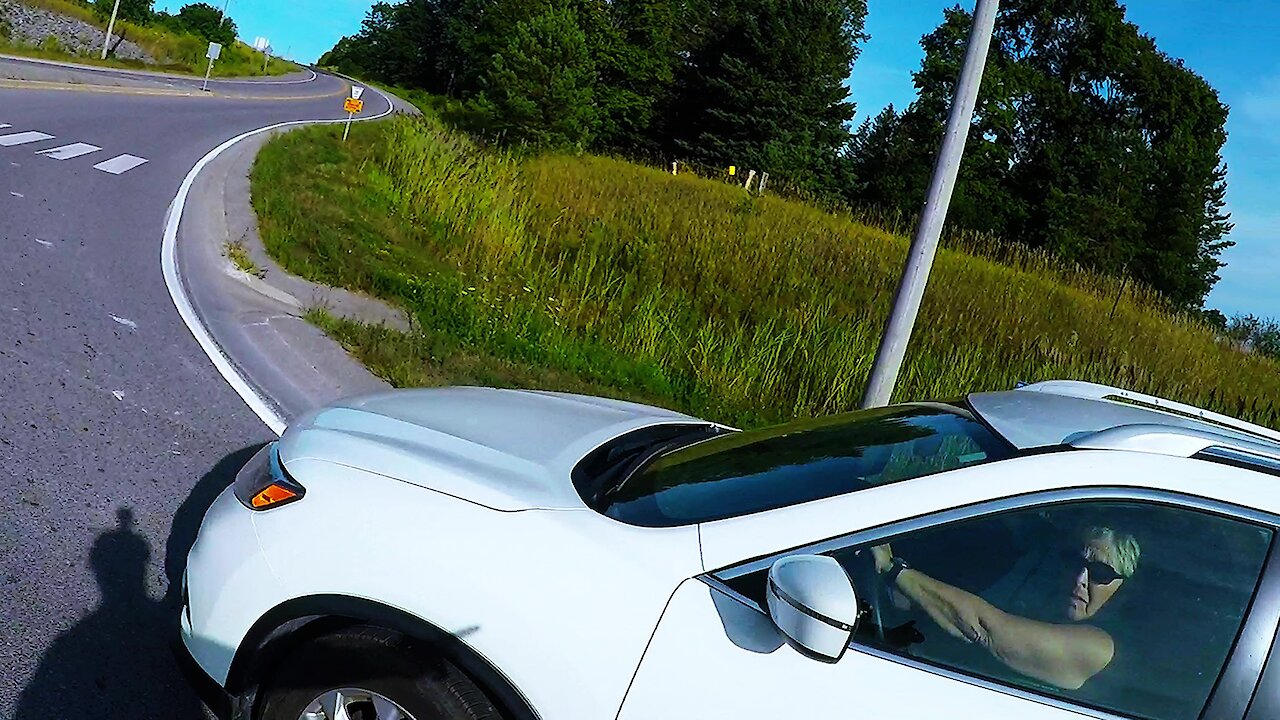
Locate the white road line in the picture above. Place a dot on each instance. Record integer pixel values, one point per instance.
(169, 265)
(66, 152)
(4, 125)
(120, 164)
(22, 138)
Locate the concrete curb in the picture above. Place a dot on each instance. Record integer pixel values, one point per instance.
(127, 90)
(286, 366)
(277, 283)
(110, 89)
(159, 74)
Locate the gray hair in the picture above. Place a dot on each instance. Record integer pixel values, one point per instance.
(1125, 545)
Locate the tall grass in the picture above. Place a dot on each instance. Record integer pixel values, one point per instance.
(691, 292)
(173, 51)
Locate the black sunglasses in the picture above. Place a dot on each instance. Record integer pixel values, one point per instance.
(1100, 573)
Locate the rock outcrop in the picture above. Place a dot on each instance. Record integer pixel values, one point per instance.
(33, 26)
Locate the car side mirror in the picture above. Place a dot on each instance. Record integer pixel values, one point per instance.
(814, 604)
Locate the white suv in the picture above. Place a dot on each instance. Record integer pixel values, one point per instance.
(1056, 551)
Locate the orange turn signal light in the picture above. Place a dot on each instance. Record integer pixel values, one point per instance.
(273, 495)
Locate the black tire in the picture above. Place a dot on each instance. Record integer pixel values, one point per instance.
(428, 687)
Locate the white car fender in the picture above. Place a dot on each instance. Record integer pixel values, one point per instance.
(570, 647)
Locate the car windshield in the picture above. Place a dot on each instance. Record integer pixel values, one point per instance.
(789, 464)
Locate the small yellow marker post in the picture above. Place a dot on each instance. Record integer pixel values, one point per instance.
(733, 170)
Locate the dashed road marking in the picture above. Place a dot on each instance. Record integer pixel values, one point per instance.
(5, 125)
(66, 152)
(118, 164)
(23, 138)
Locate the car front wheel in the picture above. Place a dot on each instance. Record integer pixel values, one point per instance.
(367, 673)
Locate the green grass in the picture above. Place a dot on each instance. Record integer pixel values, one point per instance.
(239, 256)
(174, 52)
(591, 274)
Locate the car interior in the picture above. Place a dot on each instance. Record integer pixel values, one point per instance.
(1173, 622)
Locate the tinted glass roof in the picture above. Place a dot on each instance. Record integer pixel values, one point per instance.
(760, 470)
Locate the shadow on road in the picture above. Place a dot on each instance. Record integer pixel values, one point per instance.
(116, 663)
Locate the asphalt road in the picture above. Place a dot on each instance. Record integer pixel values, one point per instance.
(115, 429)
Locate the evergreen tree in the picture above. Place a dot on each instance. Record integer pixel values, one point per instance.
(763, 87)
(537, 90)
(637, 58)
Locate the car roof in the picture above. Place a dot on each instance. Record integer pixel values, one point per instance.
(1061, 412)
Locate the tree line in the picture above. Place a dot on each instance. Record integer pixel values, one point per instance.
(1088, 141)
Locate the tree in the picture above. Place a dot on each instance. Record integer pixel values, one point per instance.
(207, 22)
(636, 54)
(1087, 141)
(135, 11)
(764, 87)
(537, 89)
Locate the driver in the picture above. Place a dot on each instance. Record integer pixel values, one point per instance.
(1068, 648)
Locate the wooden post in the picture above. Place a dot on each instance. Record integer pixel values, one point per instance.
(673, 167)
(764, 180)
(751, 175)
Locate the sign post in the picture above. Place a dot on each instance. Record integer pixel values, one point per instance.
(214, 51)
(263, 46)
(352, 105)
(106, 41)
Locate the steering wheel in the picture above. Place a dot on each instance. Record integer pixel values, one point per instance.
(871, 588)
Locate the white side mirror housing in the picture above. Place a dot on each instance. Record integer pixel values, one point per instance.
(814, 605)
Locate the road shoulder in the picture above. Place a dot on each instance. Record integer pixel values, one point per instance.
(258, 321)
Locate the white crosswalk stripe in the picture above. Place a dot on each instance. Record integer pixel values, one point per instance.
(23, 138)
(120, 164)
(66, 152)
(117, 165)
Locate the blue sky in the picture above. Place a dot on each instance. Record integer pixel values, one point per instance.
(1229, 42)
(302, 29)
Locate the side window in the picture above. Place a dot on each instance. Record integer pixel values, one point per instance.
(1128, 607)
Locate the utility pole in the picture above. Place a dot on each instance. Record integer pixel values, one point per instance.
(106, 41)
(924, 246)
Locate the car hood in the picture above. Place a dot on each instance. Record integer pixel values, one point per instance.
(505, 449)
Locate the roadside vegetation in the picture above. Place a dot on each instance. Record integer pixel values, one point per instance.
(588, 273)
(1088, 142)
(177, 42)
(239, 256)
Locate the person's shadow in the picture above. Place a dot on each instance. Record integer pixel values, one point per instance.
(117, 662)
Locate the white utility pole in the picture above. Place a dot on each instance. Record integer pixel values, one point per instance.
(924, 246)
(106, 42)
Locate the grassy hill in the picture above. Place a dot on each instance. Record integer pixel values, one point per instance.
(174, 51)
(592, 274)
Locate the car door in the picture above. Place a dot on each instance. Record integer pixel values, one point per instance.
(1186, 573)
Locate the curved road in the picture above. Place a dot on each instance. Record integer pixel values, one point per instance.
(116, 430)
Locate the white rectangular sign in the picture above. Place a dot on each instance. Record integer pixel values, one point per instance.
(356, 92)
(214, 51)
(261, 43)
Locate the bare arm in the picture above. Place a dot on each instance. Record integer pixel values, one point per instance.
(1062, 655)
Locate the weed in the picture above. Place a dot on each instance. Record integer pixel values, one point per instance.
(239, 256)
